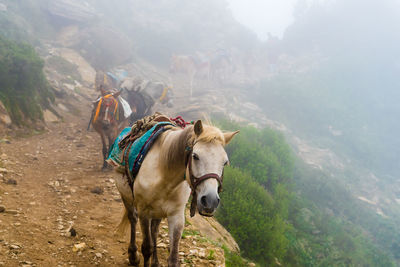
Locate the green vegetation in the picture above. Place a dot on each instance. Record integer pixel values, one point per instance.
(270, 206)
(189, 232)
(249, 213)
(255, 201)
(233, 259)
(211, 255)
(24, 89)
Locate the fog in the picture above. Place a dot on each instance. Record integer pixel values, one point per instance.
(324, 74)
(264, 17)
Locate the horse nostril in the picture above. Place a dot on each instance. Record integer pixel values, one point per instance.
(203, 201)
(218, 199)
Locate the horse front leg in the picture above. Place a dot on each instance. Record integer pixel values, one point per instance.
(175, 226)
(147, 245)
(155, 224)
(105, 151)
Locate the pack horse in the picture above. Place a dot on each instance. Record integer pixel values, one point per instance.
(109, 114)
(179, 161)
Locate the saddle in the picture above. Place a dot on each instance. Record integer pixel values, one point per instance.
(131, 146)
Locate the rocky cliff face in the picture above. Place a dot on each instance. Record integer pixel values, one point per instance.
(71, 11)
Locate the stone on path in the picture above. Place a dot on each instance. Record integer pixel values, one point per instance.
(79, 247)
(97, 190)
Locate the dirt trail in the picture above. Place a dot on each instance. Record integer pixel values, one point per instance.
(55, 174)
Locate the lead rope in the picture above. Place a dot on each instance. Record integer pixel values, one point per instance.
(179, 121)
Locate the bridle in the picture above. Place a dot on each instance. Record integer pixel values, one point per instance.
(110, 109)
(195, 181)
(107, 106)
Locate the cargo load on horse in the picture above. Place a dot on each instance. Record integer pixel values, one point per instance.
(143, 95)
(164, 160)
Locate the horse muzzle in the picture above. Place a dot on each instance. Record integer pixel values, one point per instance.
(208, 204)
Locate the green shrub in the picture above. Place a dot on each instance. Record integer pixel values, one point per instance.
(24, 89)
(247, 211)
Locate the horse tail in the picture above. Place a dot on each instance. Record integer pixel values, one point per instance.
(122, 229)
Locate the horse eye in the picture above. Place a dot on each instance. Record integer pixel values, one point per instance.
(226, 163)
(195, 156)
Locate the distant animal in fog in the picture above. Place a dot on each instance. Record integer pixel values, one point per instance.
(190, 65)
(143, 95)
(221, 65)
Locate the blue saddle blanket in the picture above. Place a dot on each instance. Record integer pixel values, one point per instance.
(137, 150)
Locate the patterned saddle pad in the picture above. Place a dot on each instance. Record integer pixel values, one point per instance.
(137, 150)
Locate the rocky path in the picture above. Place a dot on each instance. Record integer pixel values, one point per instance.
(58, 209)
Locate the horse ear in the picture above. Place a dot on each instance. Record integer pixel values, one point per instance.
(198, 127)
(228, 136)
(117, 94)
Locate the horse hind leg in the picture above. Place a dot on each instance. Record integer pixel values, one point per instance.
(132, 249)
(155, 224)
(130, 217)
(147, 245)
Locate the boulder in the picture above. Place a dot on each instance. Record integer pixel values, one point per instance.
(49, 116)
(210, 228)
(4, 117)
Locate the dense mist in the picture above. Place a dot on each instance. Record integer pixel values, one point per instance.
(323, 97)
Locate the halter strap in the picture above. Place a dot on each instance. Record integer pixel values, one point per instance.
(195, 181)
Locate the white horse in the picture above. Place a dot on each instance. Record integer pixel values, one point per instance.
(179, 161)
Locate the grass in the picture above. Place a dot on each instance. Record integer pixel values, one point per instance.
(189, 232)
(211, 255)
(233, 259)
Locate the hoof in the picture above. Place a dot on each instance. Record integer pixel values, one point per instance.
(134, 262)
(106, 168)
(134, 259)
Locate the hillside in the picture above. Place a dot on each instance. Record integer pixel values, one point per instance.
(342, 205)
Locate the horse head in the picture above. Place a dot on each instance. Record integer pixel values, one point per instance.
(106, 110)
(206, 162)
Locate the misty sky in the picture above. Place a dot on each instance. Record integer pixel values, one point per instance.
(263, 16)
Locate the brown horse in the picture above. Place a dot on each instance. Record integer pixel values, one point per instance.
(107, 119)
(179, 161)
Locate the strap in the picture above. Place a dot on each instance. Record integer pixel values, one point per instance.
(164, 93)
(194, 181)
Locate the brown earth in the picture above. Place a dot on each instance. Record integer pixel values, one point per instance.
(46, 184)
